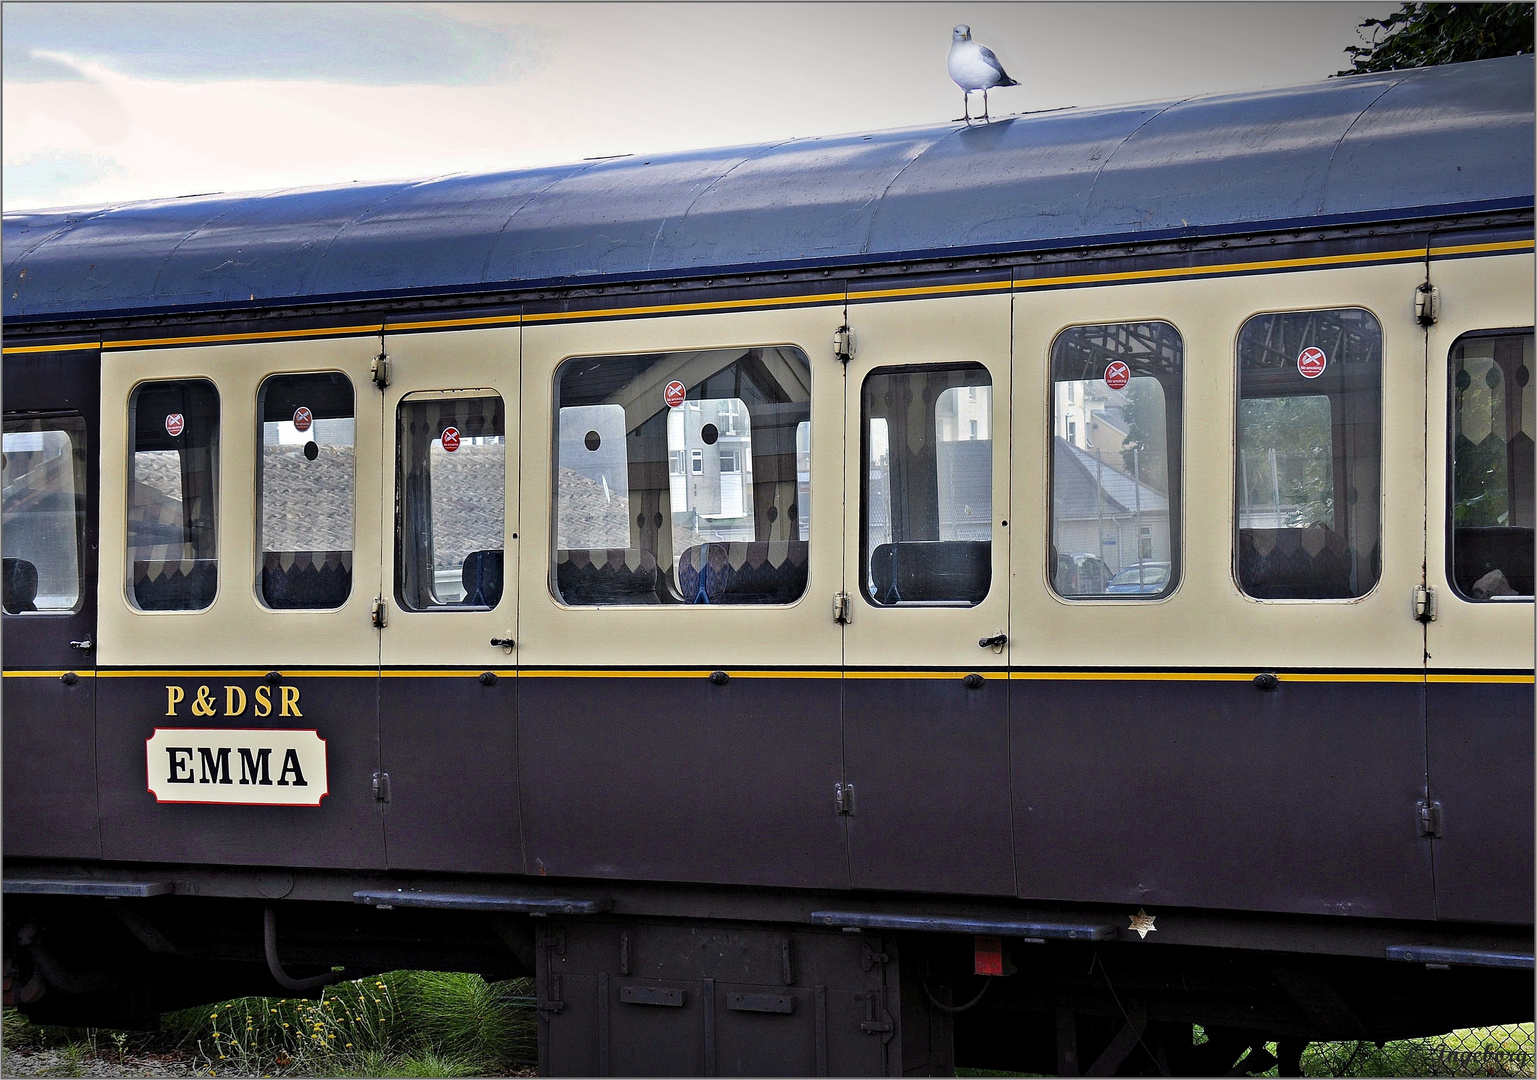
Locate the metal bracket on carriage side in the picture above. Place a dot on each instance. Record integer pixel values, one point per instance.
(843, 343)
(1427, 304)
(379, 370)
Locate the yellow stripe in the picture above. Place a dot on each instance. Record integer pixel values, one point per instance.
(997, 673)
(704, 305)
(269, 335)
(72, 347)
(1273, 264)
(703, 673)
(338, 673)
(490, 320)
(933, 290)
(1500, 245)
(1518, 679)
(439, 673)
(1225, 268)
(826, 673)
(1214, 676)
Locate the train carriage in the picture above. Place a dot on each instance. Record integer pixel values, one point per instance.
(990, 595)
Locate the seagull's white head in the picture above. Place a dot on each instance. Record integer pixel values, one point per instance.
(962, 33)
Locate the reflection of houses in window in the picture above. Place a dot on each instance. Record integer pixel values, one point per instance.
(715, 496)
(1100, 510)
(1092, 417)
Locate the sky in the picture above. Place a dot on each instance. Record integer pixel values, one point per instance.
(119, 101)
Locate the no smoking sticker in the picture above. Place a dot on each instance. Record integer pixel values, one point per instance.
(1117, 375)
(451, 439)
(674, 393)
(303, 418)
(1311, 362)
(175, 423)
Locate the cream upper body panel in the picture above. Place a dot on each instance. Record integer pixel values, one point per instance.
(237, 629)
(1207, 621)
(1475, 294)
(552, 633)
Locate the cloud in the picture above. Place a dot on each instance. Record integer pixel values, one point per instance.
(50, 175)
(364, 44)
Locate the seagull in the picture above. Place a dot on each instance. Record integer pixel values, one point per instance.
(974, 67)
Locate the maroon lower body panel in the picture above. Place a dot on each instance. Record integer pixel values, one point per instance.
(341, 828)
(1301, 798)
(682, 779)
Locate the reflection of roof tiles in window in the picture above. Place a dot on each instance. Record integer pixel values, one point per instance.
(307, 505)
(589, 517)
(468, 503)
(1074, 491)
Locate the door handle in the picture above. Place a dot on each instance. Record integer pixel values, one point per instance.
(503, 642)
(84, 646)
(997, 641)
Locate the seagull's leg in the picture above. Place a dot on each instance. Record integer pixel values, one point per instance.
(985, 118)
(966, 99)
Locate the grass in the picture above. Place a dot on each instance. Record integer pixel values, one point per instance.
(431, 1023)
(405, 1023)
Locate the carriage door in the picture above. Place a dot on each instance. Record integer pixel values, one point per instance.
(51, 407)
(1481, 424)
(926, 570)
(448, 691)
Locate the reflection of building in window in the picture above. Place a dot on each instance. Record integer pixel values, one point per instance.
(1100, 510)
(927, 526)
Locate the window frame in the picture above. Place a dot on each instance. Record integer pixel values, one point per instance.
(218, 493)
(257, 507)
(1450, 463)
(1233, 459)
(864, 549)
(80, 472)
(1177, 476)
(798, 509)
(407, 400)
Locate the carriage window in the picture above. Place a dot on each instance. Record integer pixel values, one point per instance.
(1493, 421)
(1115, 461)
(44, 514)
(681, 478)
(452, 478)
(305, 490)
(927, 528)
(1309, 466)
(173, 495)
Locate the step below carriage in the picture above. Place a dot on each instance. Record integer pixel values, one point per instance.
(989, 596)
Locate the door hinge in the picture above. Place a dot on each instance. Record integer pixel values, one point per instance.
(379, 371)
(843, 798)
(843, 343)
(1424, 603)
(877, 1020)
(842, 610)
(1427, 304)
(381, 613)
(1428, 816)
(381, 787)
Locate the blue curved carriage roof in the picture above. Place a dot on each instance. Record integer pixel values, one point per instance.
(1395, 145)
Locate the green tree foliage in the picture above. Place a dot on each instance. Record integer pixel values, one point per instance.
(1422, 35)
(1145, 451)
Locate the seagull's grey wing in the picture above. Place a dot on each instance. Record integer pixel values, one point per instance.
(991, 60)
